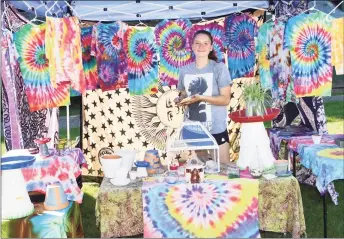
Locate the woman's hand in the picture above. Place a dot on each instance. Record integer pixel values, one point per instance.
(191, 100)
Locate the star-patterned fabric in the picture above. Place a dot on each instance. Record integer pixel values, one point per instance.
(116, 120)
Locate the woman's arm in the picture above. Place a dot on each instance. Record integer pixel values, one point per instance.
(222, 99)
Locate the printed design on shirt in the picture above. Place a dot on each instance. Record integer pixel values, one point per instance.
(201, 84)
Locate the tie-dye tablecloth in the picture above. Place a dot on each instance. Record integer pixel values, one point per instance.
(326, 162)
(44, 171)
(276, 136)
(225, 209)
(297, 143)
(119, 210)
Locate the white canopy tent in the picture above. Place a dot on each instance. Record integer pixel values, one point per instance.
(139, 10)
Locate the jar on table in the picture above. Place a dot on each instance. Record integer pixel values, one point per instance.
(172, 176)
(233, 171)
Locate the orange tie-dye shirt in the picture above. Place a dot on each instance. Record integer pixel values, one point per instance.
(63, 50)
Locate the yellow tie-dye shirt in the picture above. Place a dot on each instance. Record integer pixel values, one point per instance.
(338, 45)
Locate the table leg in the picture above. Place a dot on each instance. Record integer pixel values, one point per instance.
(325, 215)
(294, 163)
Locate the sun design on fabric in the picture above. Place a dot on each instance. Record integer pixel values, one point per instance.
(157, 115)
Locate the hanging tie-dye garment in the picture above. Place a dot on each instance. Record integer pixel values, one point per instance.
(89, 62)
(308, 37)
(12, 126)
(108, 47)
(213, 209)
(30, 46)
(286, 9)
(240, 32)
(171, 39)
(63, 50)
(142, 61)
(217, 32)
(280, 68)
(263, 61)
(338, 45)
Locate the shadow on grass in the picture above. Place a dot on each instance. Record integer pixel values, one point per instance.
(88, 210)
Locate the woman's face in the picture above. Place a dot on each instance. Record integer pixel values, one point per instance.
(202, 46)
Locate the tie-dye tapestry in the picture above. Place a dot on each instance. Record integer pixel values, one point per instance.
(240, 30)
(63, 51)
(139, 44)
(218, 34)
(12, 127)
(308, 37)
(213, 209)
(30, 45)
(171, 38)
(89, 62)
(108, 47)
(34, 124)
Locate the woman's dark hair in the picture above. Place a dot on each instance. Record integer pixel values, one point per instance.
(212, 54)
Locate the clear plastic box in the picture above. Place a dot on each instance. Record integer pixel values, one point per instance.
(192, 135)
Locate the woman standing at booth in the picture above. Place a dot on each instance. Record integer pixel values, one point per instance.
(207, 84)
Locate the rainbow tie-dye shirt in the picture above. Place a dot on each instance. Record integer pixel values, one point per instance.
(308, 37)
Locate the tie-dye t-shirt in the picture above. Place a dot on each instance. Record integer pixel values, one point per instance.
(63, 50)
(89, 62)
(240, 31)
(308, 37)
(262, 50)
(107, 46)
(338, 45)
(280, 67)
(30, 47)
(171, 38)
(142, 60)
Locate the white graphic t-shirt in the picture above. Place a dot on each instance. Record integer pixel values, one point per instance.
(206, 81)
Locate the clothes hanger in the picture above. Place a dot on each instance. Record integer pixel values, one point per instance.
(70, 7)
(140, 23)
(312, 8)
(35, 18)
(202, 18)
(333, 10)
(50, 8)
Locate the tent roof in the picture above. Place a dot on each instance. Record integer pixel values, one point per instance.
(148, 10)
(151, 10)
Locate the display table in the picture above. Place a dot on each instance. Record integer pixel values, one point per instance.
(119, 210)
(45, 170)
(46, 224)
